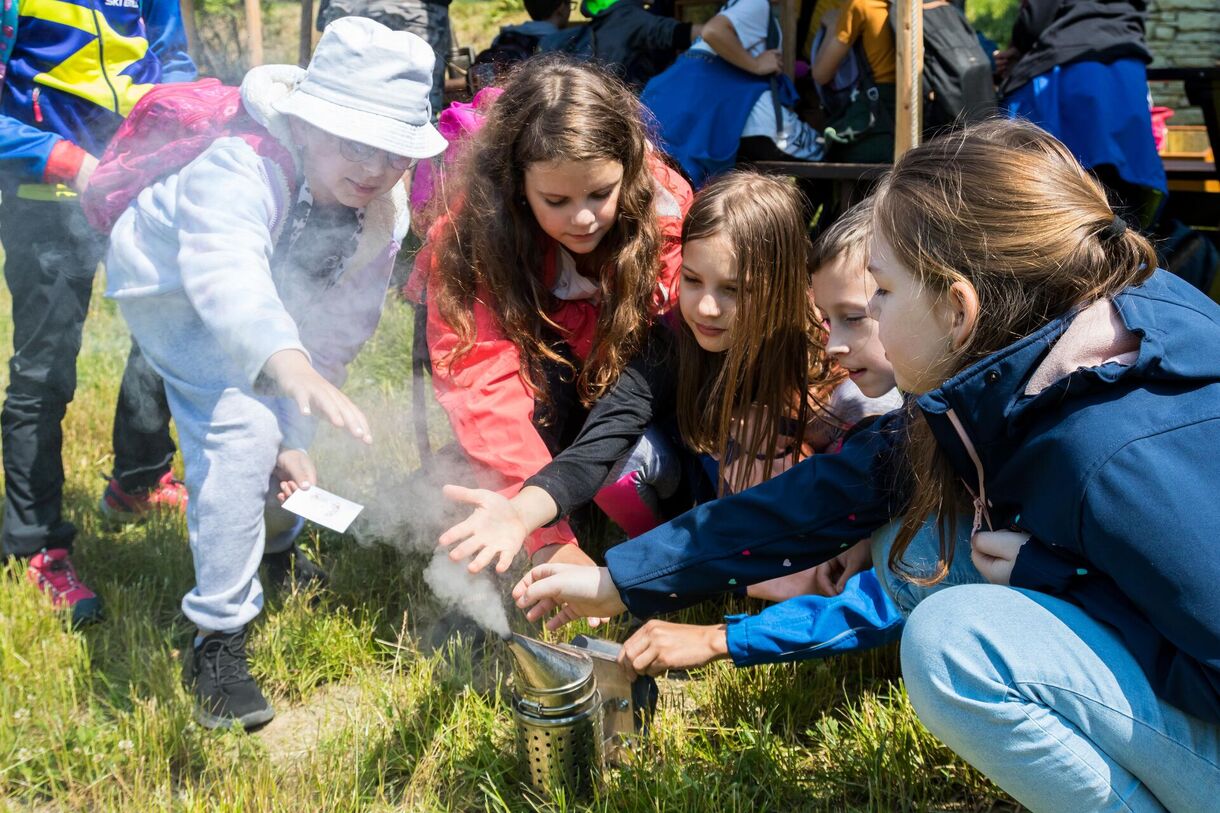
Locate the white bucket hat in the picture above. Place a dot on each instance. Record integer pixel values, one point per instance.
(369, 84)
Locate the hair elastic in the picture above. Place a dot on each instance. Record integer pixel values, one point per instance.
(1115, 228)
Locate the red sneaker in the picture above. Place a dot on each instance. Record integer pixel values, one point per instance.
(52, 572)
(168, 494)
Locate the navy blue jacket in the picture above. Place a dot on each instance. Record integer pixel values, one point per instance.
(1112, 470)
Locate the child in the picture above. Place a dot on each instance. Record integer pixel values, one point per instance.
(517, 43)
(864, 131)
(829, 609)
(722, 93)
(564, 248)
(630, 40)
(748, 346)
(1070, 392)
(65, 91)
(1079, 69)
(239, 290)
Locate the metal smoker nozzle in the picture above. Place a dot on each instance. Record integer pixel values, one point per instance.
(546, 667)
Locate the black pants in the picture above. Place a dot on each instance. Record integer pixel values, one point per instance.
(51, 255)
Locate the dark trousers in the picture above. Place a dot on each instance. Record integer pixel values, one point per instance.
(51, 255)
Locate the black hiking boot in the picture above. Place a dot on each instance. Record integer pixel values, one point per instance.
(225, 693)
(292, 570)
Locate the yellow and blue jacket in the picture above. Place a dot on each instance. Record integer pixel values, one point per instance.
(73, 71)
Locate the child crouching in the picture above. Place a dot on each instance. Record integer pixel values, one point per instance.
(251, 291)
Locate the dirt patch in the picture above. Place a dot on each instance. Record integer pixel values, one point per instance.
(295, 731)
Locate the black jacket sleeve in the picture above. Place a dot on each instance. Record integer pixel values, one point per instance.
(616, 422)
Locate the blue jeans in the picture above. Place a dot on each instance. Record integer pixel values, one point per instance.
(1049, 704)
(920, 559)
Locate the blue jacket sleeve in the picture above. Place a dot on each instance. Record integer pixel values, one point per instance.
(796, 520)
(806, 627)
(167, 38)
(24, 150)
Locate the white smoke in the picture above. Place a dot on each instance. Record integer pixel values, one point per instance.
(404, 507)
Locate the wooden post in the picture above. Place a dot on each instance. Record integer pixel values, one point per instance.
(254, 32)
(787, 27)
(908, 117)
(306, 47)
(188, 23)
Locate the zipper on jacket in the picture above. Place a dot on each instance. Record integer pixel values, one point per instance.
(35, 100)
(101, 57)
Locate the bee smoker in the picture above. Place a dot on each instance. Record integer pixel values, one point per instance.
(573, 707)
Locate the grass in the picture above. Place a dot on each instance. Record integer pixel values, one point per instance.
(368, 717)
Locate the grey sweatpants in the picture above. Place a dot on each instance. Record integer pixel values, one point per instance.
(230, 438)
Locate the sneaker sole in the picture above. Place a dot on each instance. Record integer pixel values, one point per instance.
(118, 516)
(249, 721)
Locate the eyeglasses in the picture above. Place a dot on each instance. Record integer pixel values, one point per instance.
(359, 153)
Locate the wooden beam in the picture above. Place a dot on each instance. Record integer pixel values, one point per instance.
(787, 27)
(254, 33)
(306, 42)
(188, 23)
(908, 117)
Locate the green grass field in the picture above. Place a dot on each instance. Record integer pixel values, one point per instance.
(367, 718)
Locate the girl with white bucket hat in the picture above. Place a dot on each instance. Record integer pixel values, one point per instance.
(250, 291)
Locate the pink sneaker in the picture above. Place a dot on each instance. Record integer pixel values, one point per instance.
(168, 494)
(54, 575)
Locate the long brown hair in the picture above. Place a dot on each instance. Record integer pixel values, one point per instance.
(1005, 207)
(777, 350)
(551, 110)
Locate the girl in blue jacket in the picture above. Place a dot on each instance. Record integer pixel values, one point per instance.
(1068, 396)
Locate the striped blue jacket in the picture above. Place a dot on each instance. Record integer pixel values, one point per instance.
(76, 68)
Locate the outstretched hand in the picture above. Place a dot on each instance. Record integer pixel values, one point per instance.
(493, 529)
(300, 382)
(570, 591)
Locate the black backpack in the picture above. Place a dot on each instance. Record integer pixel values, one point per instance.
(507, 49)
(957, 75)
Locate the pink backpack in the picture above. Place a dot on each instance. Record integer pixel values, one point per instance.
(168, 128)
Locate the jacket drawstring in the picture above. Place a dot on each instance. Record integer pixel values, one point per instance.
(980, 499)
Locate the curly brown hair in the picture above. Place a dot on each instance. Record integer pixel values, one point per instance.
(552, 109)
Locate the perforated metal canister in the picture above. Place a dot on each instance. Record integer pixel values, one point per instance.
(558, 716)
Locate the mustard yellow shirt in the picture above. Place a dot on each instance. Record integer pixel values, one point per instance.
(869, 21)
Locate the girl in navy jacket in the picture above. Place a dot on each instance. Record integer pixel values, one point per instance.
(1068, 396)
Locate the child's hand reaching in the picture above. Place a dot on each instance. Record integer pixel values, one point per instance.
(294, 470)
(493, 529)
(298, 380)
(575, 591)
(831, 577)
(660, 646)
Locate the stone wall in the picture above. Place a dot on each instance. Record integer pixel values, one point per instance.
(1182, 33)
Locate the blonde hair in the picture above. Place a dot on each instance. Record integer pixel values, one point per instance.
(773, 371)
(846, 237)
(1003, 206)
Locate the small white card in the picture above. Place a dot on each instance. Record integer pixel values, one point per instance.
(320, 506)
